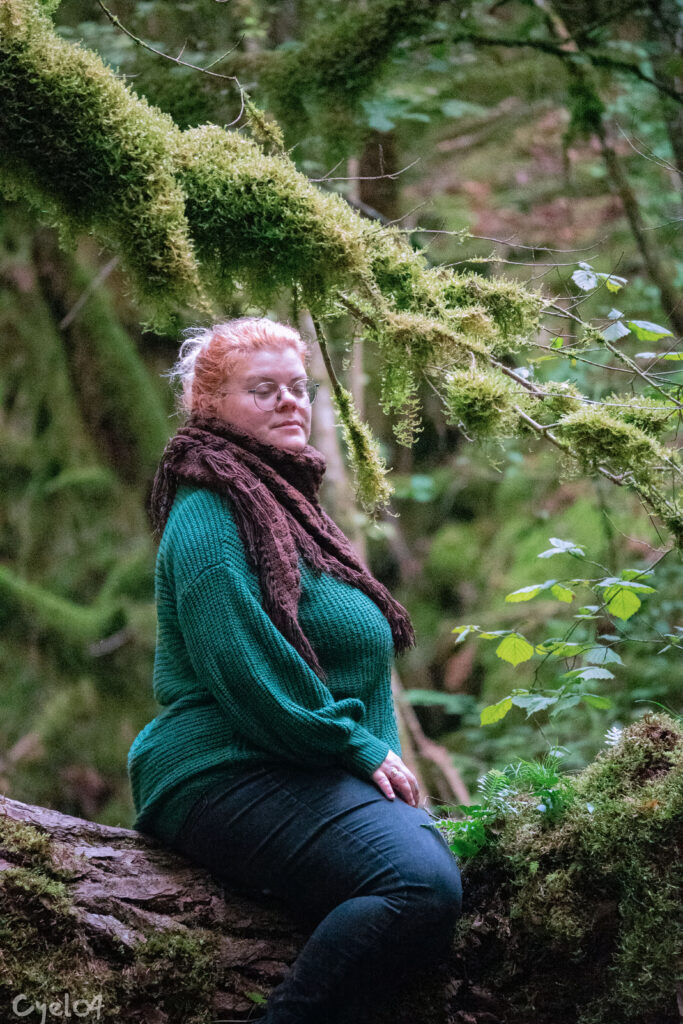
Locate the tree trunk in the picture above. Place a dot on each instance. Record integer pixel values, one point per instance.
(109, 914)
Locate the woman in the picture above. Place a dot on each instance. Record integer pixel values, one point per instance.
(276, 761)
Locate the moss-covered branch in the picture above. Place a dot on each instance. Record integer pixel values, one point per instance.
(198, 215)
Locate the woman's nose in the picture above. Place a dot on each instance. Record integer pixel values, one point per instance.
(285, 397)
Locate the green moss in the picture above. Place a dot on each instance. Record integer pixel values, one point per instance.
(178, 972)
(321, 81)
(563, 398)
(599, 438)
(480, 401)
(585, 907)
(44, 951)
(652, 416)
(24, 843)
(368, 466)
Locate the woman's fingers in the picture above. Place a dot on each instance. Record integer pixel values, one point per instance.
(382, 782)
(394, 778)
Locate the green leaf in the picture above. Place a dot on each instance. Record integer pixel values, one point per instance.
(586, 279)
(674, 355)
(591, 672)
(562, 547)
(644, 330)
(564, 703)
(493, 634)
(515, 649)
(533, 702)
(646, 355)
(602, 656)
(595, 701)
(494, 712)
(562, 593)
(613, 282)
(615, 331)
(635, 574)
(526, 593)
(462, 632)
(621, 602)
(557, 343)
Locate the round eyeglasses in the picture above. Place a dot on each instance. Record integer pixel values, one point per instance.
(267, 394)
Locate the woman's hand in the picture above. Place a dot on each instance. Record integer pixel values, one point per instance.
(392, 778)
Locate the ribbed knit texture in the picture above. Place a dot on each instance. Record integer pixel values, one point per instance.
(233, 689)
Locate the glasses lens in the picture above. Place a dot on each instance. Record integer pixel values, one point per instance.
(266, 396)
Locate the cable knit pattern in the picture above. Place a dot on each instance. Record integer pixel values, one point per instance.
(233, 688)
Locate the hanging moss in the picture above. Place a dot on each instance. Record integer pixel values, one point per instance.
(480, 402)
(369, 468)
(600, 438)
(561, 397)
(652, 416)
(201, 215)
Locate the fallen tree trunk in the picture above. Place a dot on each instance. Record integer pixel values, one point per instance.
(570, 918)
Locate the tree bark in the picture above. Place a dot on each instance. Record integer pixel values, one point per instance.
(127, 892)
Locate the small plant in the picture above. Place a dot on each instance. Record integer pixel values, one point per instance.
(587, 658)
(538, 785)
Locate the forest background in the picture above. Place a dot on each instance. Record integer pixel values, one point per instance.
(526, 143)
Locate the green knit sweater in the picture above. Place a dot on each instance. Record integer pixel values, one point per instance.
(233, 689)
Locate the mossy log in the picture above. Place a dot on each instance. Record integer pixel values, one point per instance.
(569, 919)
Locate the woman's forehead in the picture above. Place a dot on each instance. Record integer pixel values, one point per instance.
(272, 363)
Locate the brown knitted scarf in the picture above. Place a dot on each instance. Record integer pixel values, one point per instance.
(274, 494)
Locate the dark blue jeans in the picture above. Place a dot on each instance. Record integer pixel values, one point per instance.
(381, 891)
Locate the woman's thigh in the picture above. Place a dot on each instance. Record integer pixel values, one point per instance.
(315, 838)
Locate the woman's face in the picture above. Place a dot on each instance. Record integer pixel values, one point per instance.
(288, 425)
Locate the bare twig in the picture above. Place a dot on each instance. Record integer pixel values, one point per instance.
(80, 302)
(176, 60)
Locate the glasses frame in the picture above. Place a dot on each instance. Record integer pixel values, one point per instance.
(286, 387)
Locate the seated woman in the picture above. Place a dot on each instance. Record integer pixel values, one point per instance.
(275, 762)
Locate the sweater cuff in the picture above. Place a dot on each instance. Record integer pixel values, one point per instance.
(364, 751)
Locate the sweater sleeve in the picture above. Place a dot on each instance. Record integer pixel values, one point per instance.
(270, 694)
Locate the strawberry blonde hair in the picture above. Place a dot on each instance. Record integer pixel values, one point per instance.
(208, 357)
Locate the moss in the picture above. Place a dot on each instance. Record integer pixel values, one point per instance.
(368, 466)
(480, 401)
(321, 81)
(563, 398)
(600, 438)
(74, 623)
(44, 951)
(112, 169)
(650, 415)
(177, 972)
(581, 912)
(24, 843)
(201, 215)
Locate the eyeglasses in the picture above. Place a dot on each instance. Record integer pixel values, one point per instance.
(267, 394)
